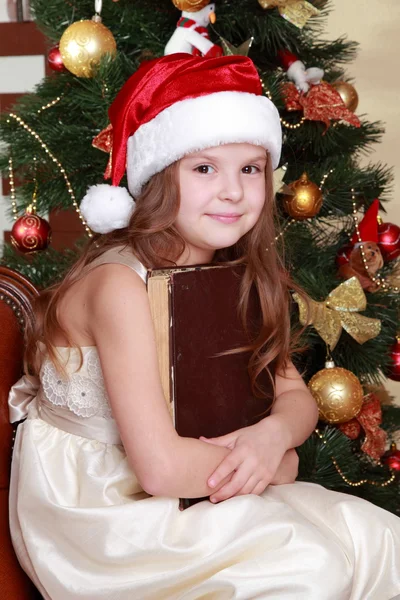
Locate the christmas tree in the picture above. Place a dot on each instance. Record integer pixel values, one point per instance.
(335, 246)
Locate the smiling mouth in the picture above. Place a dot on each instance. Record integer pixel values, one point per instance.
(225, 218)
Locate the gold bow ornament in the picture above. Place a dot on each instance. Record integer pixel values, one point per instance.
(339, 311)
(296, 12)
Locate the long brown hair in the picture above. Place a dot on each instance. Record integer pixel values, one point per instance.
(153, 239)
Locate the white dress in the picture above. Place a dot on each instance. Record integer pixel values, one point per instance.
(83, 529)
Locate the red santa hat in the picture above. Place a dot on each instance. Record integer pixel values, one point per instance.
(173, 106)
(287, 58)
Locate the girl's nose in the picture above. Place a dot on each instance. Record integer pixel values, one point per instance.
(231, 190)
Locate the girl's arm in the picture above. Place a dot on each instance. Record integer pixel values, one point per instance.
(263, 453)
(294, 411)
(120, 323)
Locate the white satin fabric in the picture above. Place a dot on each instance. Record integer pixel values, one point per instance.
(83, 529)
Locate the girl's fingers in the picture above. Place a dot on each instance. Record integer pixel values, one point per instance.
(230, 464)
(249, 486)
(227, 441)
(231, 488)
(259, 488)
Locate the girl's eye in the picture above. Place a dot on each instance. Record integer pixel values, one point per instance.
(250, 170)
(204, 169)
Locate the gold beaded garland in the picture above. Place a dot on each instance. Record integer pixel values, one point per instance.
(59, 165)
(361, 481)
(286, 124)
(324, 178)
(293, 126)
(49, 104)
(12, 188)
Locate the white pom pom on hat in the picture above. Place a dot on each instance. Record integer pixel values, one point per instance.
(107, 207)
(172, 106)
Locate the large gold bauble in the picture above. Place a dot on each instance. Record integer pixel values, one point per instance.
(305, 202)
(190, 5)
(348, 94)
(83, 44)
(338, 394)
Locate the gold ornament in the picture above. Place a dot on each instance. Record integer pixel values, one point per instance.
(339, 311)
(190, 5)
(231, 50)
(348, 94)
(297, 12)
(306, 201)
(83, 44)
(337, 392)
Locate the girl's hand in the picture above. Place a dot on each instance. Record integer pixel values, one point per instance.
(288, 469)
(253, 463)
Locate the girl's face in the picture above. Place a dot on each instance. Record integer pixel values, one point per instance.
(222, 193)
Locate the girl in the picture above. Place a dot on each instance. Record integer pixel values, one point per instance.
(98, 467)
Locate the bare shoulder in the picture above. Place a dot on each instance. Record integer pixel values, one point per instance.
(100, 293)
(118, 309)
(114, 286)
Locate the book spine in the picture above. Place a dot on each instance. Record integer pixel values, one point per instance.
(159, 291)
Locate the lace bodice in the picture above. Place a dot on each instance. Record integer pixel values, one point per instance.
(82, 392)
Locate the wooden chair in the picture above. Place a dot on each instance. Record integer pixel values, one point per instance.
(16, 296)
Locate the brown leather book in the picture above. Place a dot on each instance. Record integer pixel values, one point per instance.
(196, 317)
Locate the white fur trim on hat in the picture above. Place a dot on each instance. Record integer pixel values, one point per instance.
(107, 207)
(198, 123)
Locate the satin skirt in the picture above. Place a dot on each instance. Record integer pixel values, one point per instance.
(83, 529)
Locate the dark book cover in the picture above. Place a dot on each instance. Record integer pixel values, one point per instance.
(210, 395)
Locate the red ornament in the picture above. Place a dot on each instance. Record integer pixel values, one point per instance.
(287, 58)
(368, 419)
(30, 233)
(321, 103)
(389, 241)
(392, 458)
(393, 372)
(55, 60)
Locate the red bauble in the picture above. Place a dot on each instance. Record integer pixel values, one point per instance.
(392, 458)
(30, 233)
(393, 372)
(55, 60)
(389, 241)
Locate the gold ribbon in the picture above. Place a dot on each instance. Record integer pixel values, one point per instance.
(276, 3)
(296, 11)
(339, 311)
